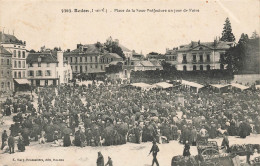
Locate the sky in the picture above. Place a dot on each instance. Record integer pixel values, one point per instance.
(41, 22)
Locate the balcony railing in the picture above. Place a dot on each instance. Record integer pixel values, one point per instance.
(194, 61)
(184, 61)
(200, 61)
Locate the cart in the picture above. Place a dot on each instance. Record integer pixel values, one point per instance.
(207, 148)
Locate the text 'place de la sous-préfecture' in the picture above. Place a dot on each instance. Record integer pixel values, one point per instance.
(156, 10)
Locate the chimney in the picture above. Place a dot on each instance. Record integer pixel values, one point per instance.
(215, 42)
(110, 49)
(79, 45)
(199, 42)
(117, 41)
(60, 58)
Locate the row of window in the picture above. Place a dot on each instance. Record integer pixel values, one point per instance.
(8, 73)
(19, 64)
(194, 57)
(201, 67)
(81, 59)
(19, 74)
(80, 68)
(7, 62)
(172, 58)
(40, 65)
(8, 86)
(39, 73)
(19, 54)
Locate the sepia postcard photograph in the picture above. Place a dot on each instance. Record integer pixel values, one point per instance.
(130, 82)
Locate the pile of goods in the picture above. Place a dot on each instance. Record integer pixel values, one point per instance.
(184, 161)
(242, 150)
(208, 145)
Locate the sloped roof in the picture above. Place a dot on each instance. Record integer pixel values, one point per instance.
(6, 38)
(163, 85)
(4, 51)
(156, 63)
(142, 85)
(219, 86)
(124, 48)
(115, 62)
(45, 58)
(192, 84)
(112, 55)
(91, 49)
(209, 45)
(147, 63)
(239, 86)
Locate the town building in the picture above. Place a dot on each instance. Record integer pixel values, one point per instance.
(171, 56)
(156, 56)
(202, 55)
(6, 78)
(45, 69)
(19, 54)
(90, 59)
(139, 65)
(127, 52)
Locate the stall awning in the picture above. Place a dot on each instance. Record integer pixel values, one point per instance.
(239, 86)
(219, 86)
(163, 85)
(192, 84)
(142, 85)
(22, 81)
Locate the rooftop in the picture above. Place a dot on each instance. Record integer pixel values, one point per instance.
(3, 51)
(7, 38)
(210, 45)
(45, 58)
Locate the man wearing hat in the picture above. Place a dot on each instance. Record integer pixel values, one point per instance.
(155, 150)
(100, 159)
(4, 138)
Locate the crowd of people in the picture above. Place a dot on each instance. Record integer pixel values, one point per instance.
(113, 114)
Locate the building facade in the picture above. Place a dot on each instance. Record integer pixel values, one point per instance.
(202, 56)
(89, 59)
(42, 69)
(171, 56)
(19, 54)
(6, 71)
(85, 59)
(45, 69)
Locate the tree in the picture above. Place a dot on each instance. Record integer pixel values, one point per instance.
(254, 35)
(113, 47)
(227, 34)
(235, 56)
(32, 51)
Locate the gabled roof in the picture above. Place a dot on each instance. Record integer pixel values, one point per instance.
(209, 45)
(3, 51)
(6, 38)
(156, 63)
(91, 49)
(147, 63)
(112, 55)
(124, 49)
(45, 58)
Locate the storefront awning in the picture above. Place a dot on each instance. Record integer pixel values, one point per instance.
(22, 81)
